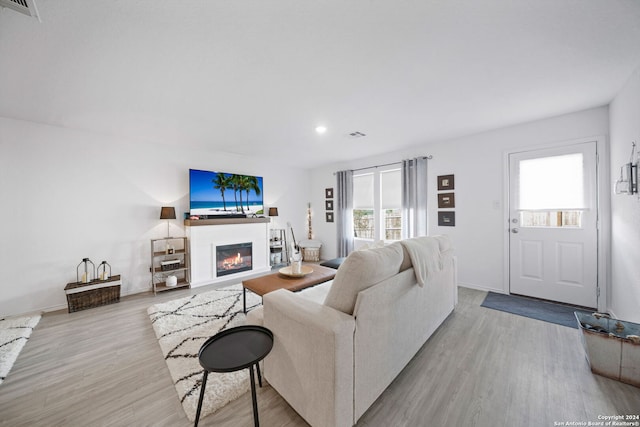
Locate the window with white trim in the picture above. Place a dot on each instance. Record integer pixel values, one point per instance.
(377, 206)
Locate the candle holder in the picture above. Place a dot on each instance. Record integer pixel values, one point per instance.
(104, 270)
(85, 271)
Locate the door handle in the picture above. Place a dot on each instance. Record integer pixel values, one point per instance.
(514, 230)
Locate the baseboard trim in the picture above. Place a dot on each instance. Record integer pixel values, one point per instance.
(65, 307)
(481, 288)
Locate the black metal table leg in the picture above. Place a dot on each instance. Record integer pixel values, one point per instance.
(244, 300)
(259, 376)
(256, 423)
(202, 387)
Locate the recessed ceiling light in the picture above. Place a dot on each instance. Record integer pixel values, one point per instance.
(321, 129)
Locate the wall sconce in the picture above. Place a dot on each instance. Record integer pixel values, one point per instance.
(628, 181)
(633, 178)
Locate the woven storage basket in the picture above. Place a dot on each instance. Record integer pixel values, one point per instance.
(311, 254)
(93, 298)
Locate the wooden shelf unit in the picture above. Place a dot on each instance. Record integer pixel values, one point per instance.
(278, 244)
(160, 253)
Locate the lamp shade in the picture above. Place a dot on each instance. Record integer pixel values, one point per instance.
(168, 212)
(273, 211)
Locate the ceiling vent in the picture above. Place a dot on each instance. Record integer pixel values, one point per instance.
(26, 7)
(357, 134)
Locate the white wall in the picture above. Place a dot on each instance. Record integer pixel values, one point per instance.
(68, 194)
(625, 210)
(477, 162)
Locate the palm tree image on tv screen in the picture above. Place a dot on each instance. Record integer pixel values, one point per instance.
(220, 193)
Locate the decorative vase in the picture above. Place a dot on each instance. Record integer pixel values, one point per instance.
(296, 263)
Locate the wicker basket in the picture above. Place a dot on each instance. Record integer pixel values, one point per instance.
(99, 293)
(311, 254)
(93, 298)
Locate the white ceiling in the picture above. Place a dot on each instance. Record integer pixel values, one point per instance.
(256, 77)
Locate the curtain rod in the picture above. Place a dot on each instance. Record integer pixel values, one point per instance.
(429, 157)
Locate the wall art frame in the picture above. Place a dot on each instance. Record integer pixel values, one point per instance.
(447, 219)
(446, 182)
(446, 200)
(328, 193)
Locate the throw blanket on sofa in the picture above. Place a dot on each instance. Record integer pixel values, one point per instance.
(427, 254)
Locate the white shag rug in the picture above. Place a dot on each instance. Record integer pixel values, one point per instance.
(14, 333)
(182, 326)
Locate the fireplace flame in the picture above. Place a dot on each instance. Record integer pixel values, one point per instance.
(232, 262)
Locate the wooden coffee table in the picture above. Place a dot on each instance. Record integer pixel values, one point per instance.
(271, 282)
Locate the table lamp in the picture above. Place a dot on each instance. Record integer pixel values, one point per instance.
(168, 212)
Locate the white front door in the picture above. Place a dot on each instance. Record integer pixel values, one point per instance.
(553, 244)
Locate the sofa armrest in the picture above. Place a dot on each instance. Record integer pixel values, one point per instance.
(311, 363)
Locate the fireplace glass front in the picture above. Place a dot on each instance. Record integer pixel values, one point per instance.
(231, 259)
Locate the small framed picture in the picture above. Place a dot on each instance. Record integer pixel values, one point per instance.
(446, 219)
(328, 205)
(328, 193)
(445, 182)
(329, 216)
(446, 200)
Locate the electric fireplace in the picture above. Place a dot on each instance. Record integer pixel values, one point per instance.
(231, 259)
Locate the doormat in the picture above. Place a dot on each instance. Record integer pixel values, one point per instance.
(559, 314)
(182, 326)
(14, 333)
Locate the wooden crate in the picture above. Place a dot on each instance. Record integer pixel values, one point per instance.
(81, 296)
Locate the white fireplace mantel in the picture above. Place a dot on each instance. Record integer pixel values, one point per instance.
(205, 235)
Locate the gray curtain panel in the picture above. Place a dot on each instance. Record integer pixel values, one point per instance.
(414, 197)
(344, 214)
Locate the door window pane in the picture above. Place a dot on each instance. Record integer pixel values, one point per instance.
(552, 183)
(565, 219)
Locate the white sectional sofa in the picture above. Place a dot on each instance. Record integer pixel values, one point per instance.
(338, 345)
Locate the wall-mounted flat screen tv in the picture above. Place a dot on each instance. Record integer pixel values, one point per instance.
(221, 193)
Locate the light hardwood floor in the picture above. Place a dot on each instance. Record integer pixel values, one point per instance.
(103, 367)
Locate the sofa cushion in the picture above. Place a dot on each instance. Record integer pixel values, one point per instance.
(361, 270)
(373, 245)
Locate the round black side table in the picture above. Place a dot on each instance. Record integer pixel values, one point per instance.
(232, 350)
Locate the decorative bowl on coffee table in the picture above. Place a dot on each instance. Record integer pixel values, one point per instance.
(288, 272)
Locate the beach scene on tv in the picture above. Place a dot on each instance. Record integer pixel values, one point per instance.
(219, 193)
